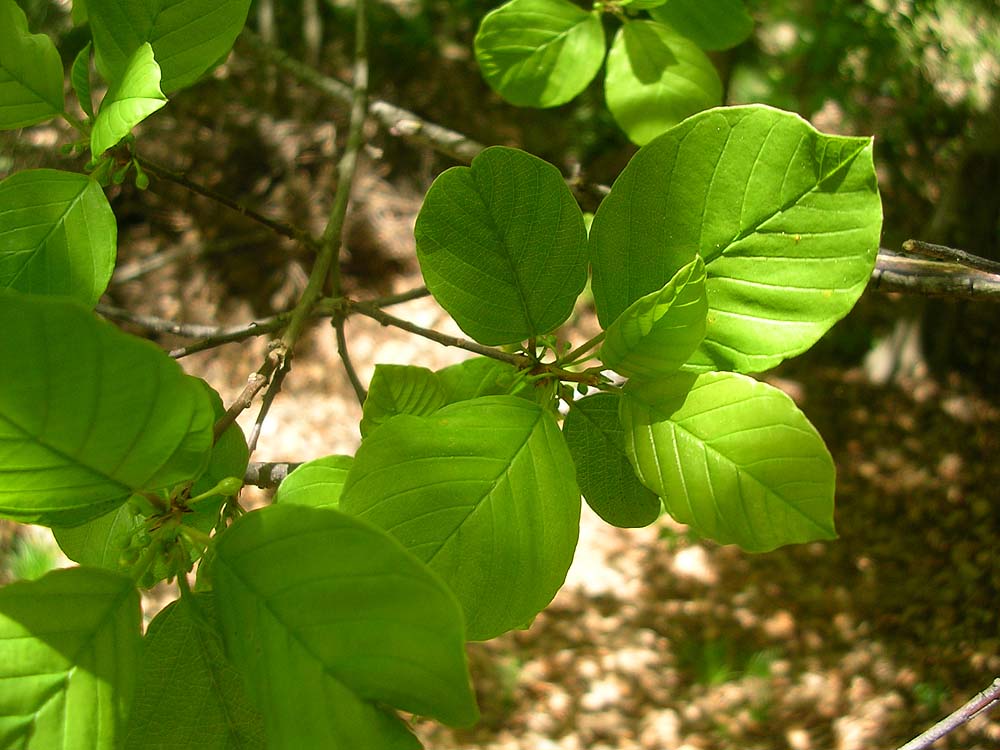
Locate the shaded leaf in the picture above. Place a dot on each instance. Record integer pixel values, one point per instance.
(786, 219)
(69, 648)
(31, 73)
(656, 78)
(596, 441)
(484, 492)
(317, 483)
(720, 24)
(135, 98)
(659, 332)
(502, 246)
(80, 78)
(327, 618)
(93, 417)
(400, 389)
(731, 457)
(539, 53)
(59, 235)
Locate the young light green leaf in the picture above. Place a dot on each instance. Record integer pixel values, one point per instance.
(659, 332)
(188, 36)
(502, 246)
(484, 492)
(400, 389)
(80, 78)
(596, 441)
(539, 53)
(187, 693)
(100, 543)
(731, 457)
(60, 235)
(720, 24)
(79, 12)
(327, 618)
(93, 415)
(136, 96)
(786, 219)
(317, 483)
(656, 78)
(481, 376)
(31, 73)
(69, 649)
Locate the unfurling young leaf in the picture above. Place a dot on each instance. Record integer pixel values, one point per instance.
(136, 96)
(540, 53)
(31, 72)
(502, 246)
(80, 78)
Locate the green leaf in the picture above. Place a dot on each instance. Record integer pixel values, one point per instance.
(93, 416)
(481, 376)
(327, 617)
(135, 98)
(80, 78)
(400, 389)
(59, 235)
(69, 648)
(642, 4)
(188, 36)
(786, 219)
(539, 53)
(732, 458)
(79, 12)
(317, 483)
(502, 246)
(484, 492)
(187, 694)
(31, 73)
(659, 332)
(656, 78)
(720, 24)
(596, 441)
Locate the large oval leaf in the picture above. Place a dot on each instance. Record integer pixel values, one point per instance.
(93, 416)
(326, 617)
(31, 73)
(786, 219)
(656, 78)
(317, 483)
(483, 492)
(732, 458)
(720, 24)
(69, 648)
(135, 98)
(502, 246)
(187, 692)
(58, 235)
(400, 389)
(539, 53)
(188, 36)
(596, 441)
(659, 332)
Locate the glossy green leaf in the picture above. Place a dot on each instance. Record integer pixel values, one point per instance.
(80, 78)
(69, 649)
(188, 36)
(135, 98)
(596, 441)
(187, 694)
(502, 246)
(328, 619)
(656, 78)
(731, 457)
(481, 376)
(484, 492)
(659, 332)
(31, 73)
(101, 542)
(400, 389)
(317, 483)
(539, 53)
(58, 235)
(786, 219)
(720, 24)
(93, 417)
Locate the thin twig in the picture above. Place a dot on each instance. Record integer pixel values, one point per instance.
(268, 475)
(345, 358)
(984, 701)
(266, 401)
(398, 299)
(933, 278)
(954, 255)
(255, 384)
(154, 324)
(279, 227)
(584, 348)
